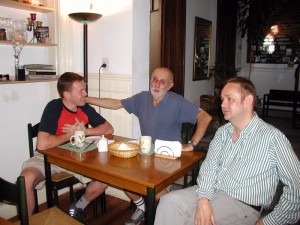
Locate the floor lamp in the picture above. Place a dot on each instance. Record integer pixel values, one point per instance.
(85, 18)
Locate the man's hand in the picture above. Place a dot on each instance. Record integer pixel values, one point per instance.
(204, 214)
(71, 128)
(259, 222)
(187, 148)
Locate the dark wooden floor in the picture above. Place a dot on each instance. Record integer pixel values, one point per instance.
(118, 211)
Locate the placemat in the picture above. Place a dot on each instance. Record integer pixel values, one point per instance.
(83, 149)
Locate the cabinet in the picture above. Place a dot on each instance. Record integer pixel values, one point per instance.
(32, 53)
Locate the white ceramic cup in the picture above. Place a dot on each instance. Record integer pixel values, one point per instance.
(145, 143)
(78, 138)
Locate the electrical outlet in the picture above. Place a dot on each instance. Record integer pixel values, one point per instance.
(105, 61)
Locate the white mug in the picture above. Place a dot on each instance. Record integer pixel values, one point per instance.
(78, 138)
(145, 144)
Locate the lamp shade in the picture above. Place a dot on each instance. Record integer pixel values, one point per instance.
(85, 17)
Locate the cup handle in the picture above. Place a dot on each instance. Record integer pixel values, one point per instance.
(72, 140)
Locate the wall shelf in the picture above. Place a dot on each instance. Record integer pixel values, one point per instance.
(24, 6)
(28, 44)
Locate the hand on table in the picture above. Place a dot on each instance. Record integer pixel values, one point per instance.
(259, 222)
(187, 148)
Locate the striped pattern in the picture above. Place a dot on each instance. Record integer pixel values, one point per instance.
(249, 170)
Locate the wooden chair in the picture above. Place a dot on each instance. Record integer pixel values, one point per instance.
(14, 193)
(59, 180)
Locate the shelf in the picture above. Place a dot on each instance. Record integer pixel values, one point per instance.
(24, 6)
(26, 81)
(28, 44)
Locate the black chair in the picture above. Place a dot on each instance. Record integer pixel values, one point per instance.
(16, 194)
(61, 180)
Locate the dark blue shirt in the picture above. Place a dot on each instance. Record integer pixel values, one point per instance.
(165, 121)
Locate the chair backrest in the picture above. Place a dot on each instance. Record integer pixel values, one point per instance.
(15, 194)
(187, 132)
(32, 133)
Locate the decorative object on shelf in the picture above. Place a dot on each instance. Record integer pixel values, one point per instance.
(39, 3)
(4, 77)
(39, 33)
(5, 29)
(27, 1)
(19, 38)
(85, 18)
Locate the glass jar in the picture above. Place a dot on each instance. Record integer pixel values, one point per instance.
(6, 28)
(19, 25)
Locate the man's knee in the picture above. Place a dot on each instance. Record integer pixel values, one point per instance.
(32, 176)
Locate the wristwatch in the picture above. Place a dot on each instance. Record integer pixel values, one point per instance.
(192, 144)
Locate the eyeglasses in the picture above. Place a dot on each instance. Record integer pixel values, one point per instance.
(154, 80)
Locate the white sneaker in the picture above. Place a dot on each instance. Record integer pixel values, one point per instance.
(137, 217)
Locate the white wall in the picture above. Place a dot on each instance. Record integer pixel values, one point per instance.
(205, 9)
(20, 104)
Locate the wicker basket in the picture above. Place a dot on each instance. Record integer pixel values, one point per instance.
(115, 151)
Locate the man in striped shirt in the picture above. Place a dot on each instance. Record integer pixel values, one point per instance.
(245, 161)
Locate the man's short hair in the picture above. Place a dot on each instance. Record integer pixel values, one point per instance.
(66, 81)
(247, 87)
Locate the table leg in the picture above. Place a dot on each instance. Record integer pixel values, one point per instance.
(150, 206)
(48, 182)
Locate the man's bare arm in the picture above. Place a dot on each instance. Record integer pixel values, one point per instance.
(203, 121)
(102, 129)
(108, 103)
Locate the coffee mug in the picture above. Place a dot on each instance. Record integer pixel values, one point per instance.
(78, 138)
(145, 144)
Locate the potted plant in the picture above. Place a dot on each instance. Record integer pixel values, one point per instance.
(222, 72)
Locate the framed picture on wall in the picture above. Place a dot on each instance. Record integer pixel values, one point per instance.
(202, 49)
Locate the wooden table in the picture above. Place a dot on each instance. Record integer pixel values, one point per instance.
(143, 174)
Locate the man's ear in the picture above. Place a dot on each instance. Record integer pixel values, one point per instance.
(250, 100)
(170, 86)
(66, 95)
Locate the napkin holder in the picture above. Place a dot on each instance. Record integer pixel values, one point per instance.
(167, 149)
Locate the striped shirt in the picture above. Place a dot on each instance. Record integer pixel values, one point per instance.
(249, 169)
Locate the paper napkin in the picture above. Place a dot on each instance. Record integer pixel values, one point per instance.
(168, 148)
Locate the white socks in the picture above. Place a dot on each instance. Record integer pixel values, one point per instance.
(140, 204)
(82, 203)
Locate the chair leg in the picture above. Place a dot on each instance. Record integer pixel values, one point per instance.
(95, 208)
(185, 180)
(36, 203)
(55, 196)
(103, 202)
(72, 199)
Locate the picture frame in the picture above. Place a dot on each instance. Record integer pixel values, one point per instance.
(202, 43)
